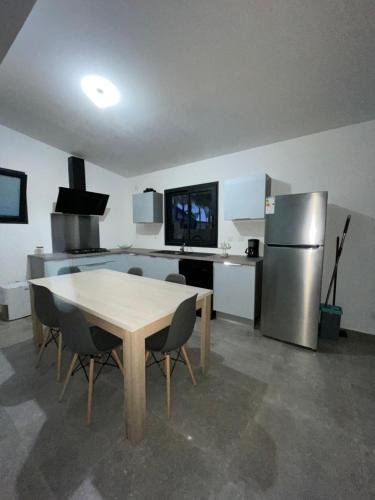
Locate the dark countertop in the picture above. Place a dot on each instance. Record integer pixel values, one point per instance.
(232, 259)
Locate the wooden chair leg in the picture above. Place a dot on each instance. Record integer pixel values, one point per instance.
(167, 370)
(59, 355)
(147, 355)
(69, 374)
(116, 357)
(46, 334)
(91, 388)
(187, 361)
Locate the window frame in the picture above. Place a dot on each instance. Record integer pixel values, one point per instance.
(22, 218)
(189, 190)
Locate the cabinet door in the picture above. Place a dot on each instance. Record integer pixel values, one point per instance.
(133, 260)
(52, 267)
(154, 267)
(159, 267)
(102, 262)
(244, 198)
(234, 289)
(147, 207)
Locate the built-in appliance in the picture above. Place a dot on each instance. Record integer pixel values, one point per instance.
(75, 199)
(80, 251)
(198, 273)
(74, 232)
(252, 249)
(292, 267)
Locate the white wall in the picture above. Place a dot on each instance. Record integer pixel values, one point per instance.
(341, 161)
(47, 169)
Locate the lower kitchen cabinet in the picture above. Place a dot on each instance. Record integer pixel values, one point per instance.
(153, 267)
(52, 267)
(235, 290)
(108, 261)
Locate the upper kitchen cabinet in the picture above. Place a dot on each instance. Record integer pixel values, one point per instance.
(147, 207)
(244, 197)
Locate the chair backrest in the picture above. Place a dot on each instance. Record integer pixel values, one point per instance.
(138, 271)
(75, 329)
(44, 305)
(182, 324)
(176, 278)
(68, 270)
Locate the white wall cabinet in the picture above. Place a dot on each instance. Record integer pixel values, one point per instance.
(235, 290)
(244, 197)
(147, 207)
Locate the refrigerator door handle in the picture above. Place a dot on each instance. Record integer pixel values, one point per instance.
(293, 246)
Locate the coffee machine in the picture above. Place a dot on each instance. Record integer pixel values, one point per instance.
(252, 249)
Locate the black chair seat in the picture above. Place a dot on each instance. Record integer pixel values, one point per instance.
(103, 340)
(157, 341)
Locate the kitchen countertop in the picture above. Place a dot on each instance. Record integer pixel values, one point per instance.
(232, 259)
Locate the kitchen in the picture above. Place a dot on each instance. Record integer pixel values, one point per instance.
(257, 404)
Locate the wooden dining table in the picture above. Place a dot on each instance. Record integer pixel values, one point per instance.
(132, 308)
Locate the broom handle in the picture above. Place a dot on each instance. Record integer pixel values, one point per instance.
(338, 255)
(335, 282)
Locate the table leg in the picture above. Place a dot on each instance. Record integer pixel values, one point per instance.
(134, 386)
(37, 325)
(205, 333)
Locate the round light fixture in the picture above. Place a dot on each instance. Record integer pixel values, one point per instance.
(100, 91)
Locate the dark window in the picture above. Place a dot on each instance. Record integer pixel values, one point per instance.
(13, 206)
(191, 215)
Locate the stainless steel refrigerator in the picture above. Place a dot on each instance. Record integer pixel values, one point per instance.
(292, 267)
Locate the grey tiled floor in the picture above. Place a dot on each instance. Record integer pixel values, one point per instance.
(271, 421)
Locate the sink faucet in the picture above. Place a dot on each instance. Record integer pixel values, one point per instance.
(182, 249)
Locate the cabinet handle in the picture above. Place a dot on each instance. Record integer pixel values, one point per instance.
(96, 263)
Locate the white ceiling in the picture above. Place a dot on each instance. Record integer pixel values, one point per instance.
(198, 78)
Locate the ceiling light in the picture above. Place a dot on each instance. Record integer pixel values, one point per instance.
(100, 90)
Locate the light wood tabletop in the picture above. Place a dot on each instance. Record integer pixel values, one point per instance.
(132, 308)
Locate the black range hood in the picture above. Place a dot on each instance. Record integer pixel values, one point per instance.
(75, 199)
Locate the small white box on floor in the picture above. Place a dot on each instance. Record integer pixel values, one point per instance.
(16, 298)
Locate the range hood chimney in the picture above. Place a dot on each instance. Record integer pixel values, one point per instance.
(77, 176)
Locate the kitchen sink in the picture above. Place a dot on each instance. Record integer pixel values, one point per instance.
(177, 252)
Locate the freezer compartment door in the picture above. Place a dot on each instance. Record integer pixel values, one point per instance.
(298, 219)
(292, 280)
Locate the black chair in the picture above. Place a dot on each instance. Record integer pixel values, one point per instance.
(89, 344)
(47, 314)
(68, 270)
(138, 271)
(174, 338)
(176, 278)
